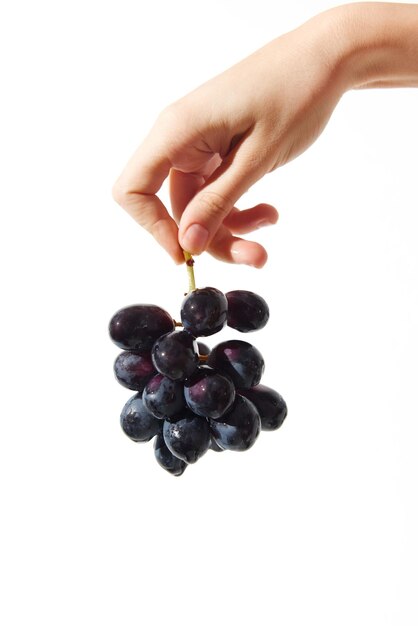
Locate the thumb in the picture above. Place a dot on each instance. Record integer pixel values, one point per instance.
(207, 210)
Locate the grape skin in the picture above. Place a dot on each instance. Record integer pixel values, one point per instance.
(214, 446)
(166, 459)
(137, 422)
(208, 393)
(247, 311)
(238, 360)
(270, 405)
(204, 311)
(187, 437)
(175, 355)
(137, 327)
(133, 370)
(239, 428)
(163, 397)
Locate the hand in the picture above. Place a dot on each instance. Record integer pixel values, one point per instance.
(220, 139)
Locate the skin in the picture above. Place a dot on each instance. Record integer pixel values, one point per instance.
(217, 141)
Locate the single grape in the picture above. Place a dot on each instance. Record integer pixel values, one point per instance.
(247, 311)
(175, 355)
(208, 393)
(187, 437)
(269, 404)
(137, 422)
(136, 327)
(133, 370)
(204, 311)
(163, 397)
(238, 360)
(166, 459)
(239, 428)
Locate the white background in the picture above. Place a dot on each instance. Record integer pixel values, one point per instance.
(317, 523)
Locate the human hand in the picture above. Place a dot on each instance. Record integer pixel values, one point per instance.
(217, 141)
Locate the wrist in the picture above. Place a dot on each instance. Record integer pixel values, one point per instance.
(378, 44)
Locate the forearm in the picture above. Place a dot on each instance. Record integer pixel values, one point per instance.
(379, 44)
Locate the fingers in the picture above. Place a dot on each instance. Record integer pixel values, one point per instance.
(150, 213)
(226, 247)
(248, 220)
(210, 206)
(203, 192)
(135, 191)
(183, 186)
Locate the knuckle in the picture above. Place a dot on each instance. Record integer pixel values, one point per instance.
(172, 129)
(171, 115)
(119, 193)
(214, 203)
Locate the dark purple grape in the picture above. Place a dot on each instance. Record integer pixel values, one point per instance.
(187, 437)
(239, 428)
(204, 311)
(238, 360)
(163, 397)
(137, 422)
(209, 393)
(247, 311)
(175, 355)
(166, 459)
(133, 370)
(269, 404)
(203, 349)
(136, 327)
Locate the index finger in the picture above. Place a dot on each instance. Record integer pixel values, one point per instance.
(135, 190)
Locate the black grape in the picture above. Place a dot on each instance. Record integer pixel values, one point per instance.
(204, 311)
(163, 397)
(239, 428)
(136, 327)
(269, 404)
(133, 370)
(208, 393)
(175, 355)
(166, 459)
(238, 360)
(187, 437)
(190, 397)
(247, 311)
(137, 422)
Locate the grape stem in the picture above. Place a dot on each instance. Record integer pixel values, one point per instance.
(190, 271)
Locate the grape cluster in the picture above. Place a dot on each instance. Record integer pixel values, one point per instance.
(189, 397)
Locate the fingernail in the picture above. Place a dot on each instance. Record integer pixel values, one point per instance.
(195, 239)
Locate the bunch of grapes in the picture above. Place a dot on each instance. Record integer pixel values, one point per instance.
(191, 398)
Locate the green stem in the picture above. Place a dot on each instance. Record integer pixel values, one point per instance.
(190, 271)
